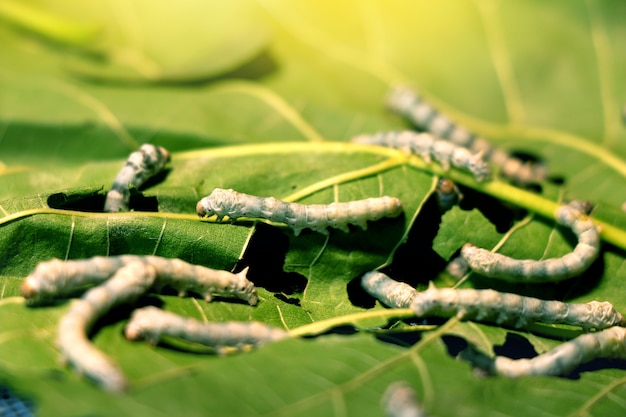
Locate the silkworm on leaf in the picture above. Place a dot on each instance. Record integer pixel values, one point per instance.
(488, 305)
(408, 103)
(141, 165)
(562, 360)
(457, 267)
(388, 291)
(430, 148)
(318, 217)
(151, 324)
(448, 194)
(57, 279)
(495, 265)
(400, 400)
(125, 287)
(512, 309)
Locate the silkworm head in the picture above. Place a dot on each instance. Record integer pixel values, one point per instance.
(246, 288)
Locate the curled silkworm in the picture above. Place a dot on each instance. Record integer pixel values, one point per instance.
(400, 400)
(141, 165)
(448, 194)
(125, 287)
(495, 265)
(388, 291)
(562, 360)
(317, 217)
(55, 278)
(151, 323)
(512, 309)
(429, 148)
(423, 115)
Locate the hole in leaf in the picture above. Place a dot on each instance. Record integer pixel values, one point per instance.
(454, 344)
(515, 346)
(265, 255)
(403, 338)
(415, 261)
(288, 300)
(79, 200)
(500, 214)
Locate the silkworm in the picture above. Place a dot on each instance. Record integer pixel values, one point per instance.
(317, 217)
(56, 279)
(448, 194)
(388, 291)
(512, 309)
(408, 103)
(562, 360)
(495, 265)
(125, 287)
(151, 324)
(488, 305)
(430, 148)
(141, 165)
(457, 267)
(400, 400)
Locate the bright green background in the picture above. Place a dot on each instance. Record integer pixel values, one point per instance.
(288, 80)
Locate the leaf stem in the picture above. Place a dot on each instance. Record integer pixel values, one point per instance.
(322, 326)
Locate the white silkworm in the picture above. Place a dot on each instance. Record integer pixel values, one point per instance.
(562, 360)
(457, 267)
(57, 279)
(489, 305)
(448, 194)
(408, 103)
(513, 309)
(317, 217)
(388, 291)
(429, 148)
(125, 287)
(141, 165)
(400, 400)
(495, 265)
(151, 324)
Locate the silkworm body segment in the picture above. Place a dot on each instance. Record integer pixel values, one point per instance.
(151, 324)
(513, 309)
(126, 286)
(317, 217)
(495, 265)
(388, 291)
(58, 279)
(400, 400)
(429, 148)
(408, 103)
(563, 359)
(140, 166)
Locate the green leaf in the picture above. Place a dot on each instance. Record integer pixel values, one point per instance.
(269, 115)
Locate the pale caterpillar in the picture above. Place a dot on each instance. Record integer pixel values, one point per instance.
(125, 287)
(562, 360)
(317, 217)
(448, 194)
(423, 115)
(457, 267)
(429, 148)
(55, 278)
(489, 305)
(151, 323)
(400, 400)
(388, 291)
(141, 165)
(495, 265)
